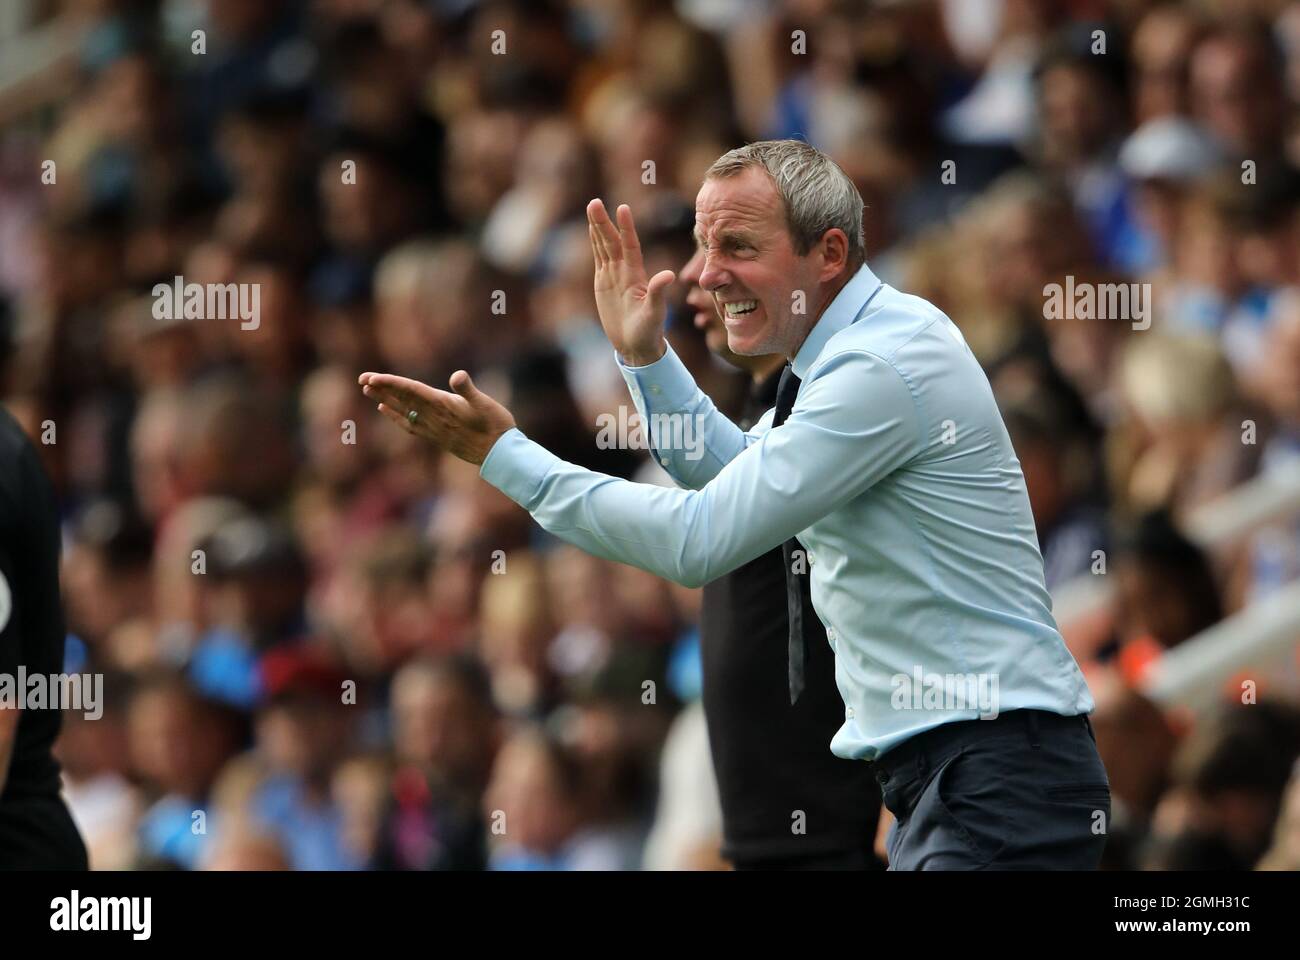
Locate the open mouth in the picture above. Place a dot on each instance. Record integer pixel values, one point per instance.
(738, 308)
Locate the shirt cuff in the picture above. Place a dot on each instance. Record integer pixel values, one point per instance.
(666, 381)
(517, 466)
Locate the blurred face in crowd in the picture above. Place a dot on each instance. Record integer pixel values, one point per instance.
(1235, 94)
(365, 215)
(1206, 248)
(437, 724)
(527, 786)
(1160, 205)
(301, 734)
(328, 400)
(98, 594)
(172, 744)
(1154, 602)
(1280, 376)
(752, 270)
(704, 313)
(1162, 45)
(1076, 114)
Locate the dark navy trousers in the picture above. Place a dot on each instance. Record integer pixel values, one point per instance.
(1023, 791)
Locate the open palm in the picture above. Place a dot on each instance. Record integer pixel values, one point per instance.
(630, 305)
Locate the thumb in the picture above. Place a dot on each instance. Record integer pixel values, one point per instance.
(460, 382)
(658, 284)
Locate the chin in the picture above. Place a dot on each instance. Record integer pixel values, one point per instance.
(745, 349)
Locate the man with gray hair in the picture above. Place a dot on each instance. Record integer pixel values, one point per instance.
(884, 468)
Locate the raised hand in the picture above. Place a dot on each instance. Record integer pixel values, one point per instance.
(631, 307)
(466, 423)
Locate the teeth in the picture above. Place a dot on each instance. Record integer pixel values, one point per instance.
(738, 307)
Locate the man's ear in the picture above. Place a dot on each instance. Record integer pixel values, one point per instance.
(835, 253)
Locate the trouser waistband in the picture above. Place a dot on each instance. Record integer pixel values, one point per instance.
(926, 746)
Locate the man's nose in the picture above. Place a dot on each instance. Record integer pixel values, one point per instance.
(712, 277)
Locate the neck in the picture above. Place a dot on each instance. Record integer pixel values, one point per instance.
(763, 367)
(826, 296)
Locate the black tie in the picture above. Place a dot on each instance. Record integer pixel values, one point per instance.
(785, 394)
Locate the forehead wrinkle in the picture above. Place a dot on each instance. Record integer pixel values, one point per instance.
(758, 212)
(729, 225)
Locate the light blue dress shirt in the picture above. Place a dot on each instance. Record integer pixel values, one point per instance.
(895, 472)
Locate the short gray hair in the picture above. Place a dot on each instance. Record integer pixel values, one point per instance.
(817, 194)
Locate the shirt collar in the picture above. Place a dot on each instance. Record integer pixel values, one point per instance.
(842, 311)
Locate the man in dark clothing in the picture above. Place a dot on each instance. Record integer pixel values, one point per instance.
(36, 830)
(788, 803)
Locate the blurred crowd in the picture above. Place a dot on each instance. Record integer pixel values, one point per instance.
(325, 646)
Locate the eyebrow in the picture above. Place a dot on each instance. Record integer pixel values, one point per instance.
(727, 237)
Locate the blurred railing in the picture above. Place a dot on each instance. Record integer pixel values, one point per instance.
(1193, 673)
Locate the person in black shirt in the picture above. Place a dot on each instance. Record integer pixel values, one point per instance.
(36, 830)
(773, 759)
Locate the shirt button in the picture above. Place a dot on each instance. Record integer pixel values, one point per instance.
(811, 558)
(849, 713)
(830, 633)
(664, 461)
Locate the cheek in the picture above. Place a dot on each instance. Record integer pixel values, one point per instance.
(765, 282)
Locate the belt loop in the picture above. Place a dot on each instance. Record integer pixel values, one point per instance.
(1031, 719)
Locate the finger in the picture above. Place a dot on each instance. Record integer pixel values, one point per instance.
(606, 254)
(596, 212)
(393, 380)
(398, 418)
(403, 401)
(404, 386)
(659, 283)
(474, 402)
(606, 230)
(627, 235)
(387, 394)
(460, 382)
(655, 290)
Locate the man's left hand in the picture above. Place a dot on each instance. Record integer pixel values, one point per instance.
(465, 423)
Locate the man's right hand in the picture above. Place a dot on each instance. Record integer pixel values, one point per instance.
(631, 308)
